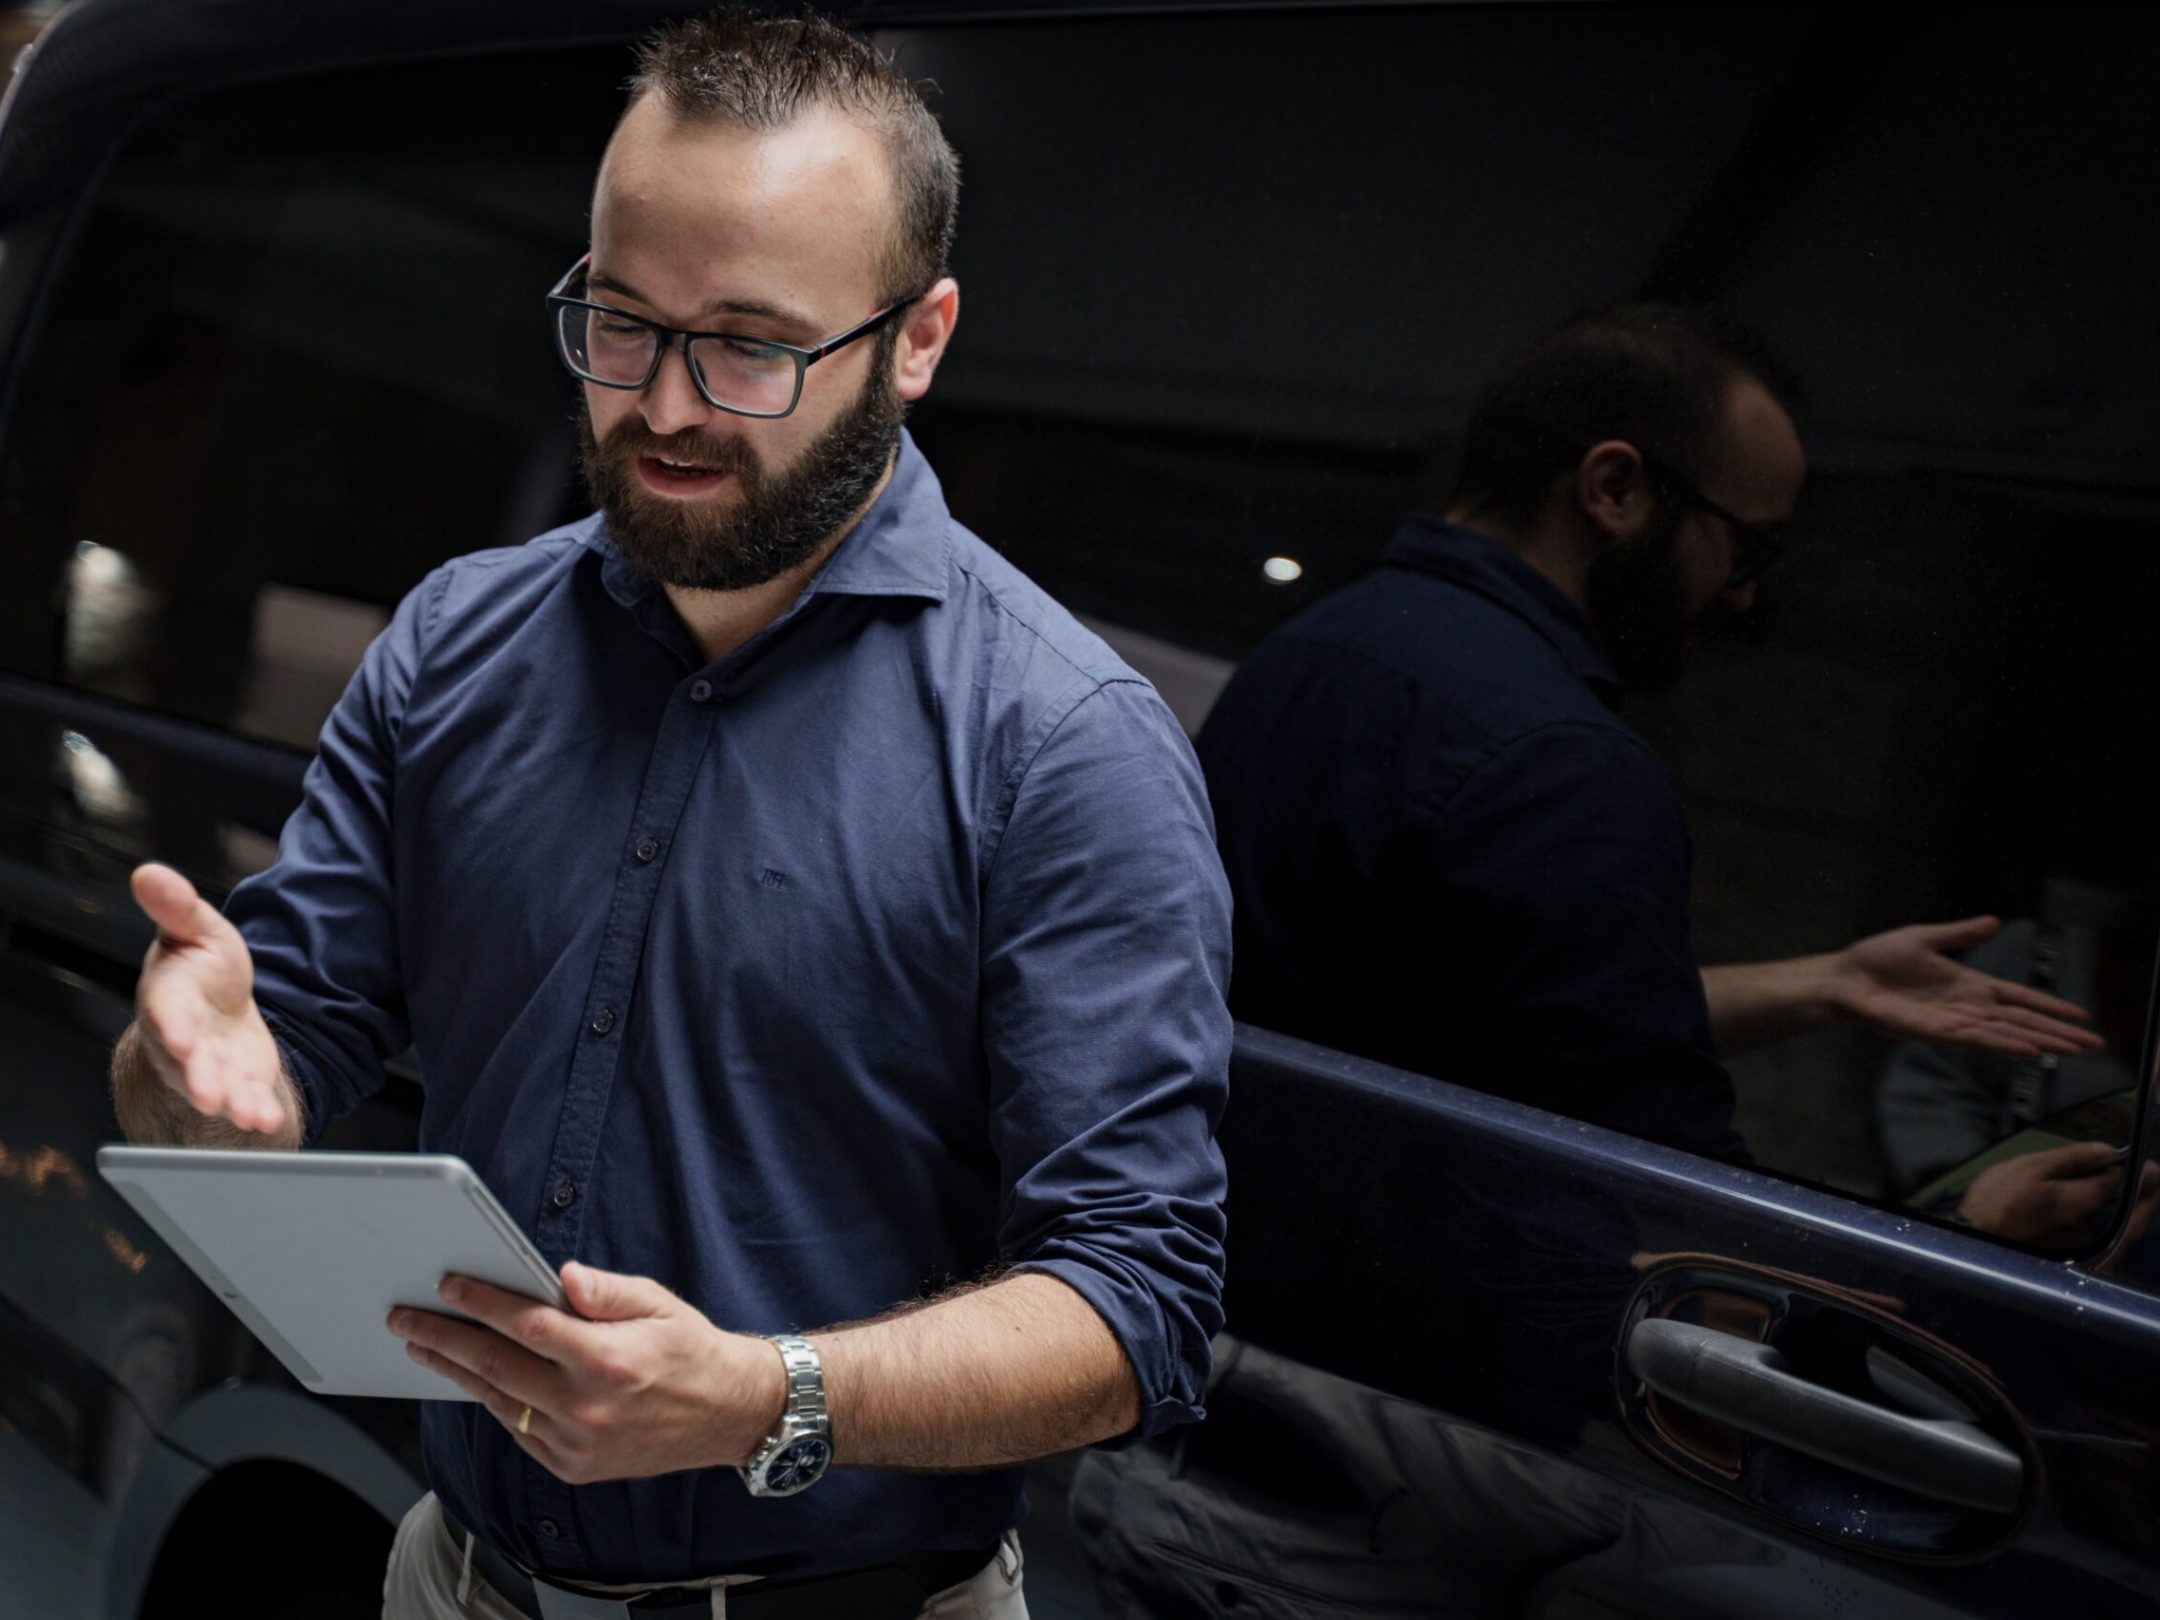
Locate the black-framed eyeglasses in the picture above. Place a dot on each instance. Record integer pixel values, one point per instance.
(1755, 545)
(748, 376)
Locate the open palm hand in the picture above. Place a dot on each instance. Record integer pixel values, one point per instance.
(1908, 984)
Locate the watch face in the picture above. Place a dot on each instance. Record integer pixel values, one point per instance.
(798, 1464)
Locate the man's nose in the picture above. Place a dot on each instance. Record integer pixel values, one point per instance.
(671, 401)
(1739, 598)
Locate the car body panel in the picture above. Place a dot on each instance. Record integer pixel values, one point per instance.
(1509, 1319)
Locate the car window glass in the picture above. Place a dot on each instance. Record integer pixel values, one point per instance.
(1221, 325)
(296, 358)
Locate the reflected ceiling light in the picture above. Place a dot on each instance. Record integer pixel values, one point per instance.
(101, 789)
(124, 1251)
(41, 1167)
(109, 608)
(1282, 570)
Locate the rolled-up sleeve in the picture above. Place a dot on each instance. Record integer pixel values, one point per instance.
(320, 923)
(1106, 928)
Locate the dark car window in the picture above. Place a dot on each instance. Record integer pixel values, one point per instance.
(1228, 285)
(1230, 307)
(297, 358)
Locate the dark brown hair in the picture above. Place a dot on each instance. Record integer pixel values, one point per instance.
(1656, 375)
(760, 71)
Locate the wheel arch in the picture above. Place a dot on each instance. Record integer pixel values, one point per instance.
(248, 1453)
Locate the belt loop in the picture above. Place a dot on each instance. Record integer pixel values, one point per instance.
(464, 1580)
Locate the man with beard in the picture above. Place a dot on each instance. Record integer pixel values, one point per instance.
(1447, 850)
(800, 920)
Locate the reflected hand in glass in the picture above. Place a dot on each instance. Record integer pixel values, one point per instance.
(1909, 984)
(2048, 1200)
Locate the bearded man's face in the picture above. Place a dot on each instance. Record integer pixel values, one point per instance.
(768, 519)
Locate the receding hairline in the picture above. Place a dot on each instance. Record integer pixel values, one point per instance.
(1767, 391)
(1751, 398)
(810, 108)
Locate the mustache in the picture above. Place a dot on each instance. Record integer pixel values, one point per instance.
(631, 438)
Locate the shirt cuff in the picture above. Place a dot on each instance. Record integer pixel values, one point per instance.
(304, 1067)
(1169, 1372)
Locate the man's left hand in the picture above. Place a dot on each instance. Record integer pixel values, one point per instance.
(637, 1382)
(1907, 984)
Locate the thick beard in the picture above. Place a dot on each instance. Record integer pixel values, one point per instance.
(782, 518)
(1638, 605)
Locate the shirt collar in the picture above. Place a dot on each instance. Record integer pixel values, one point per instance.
(901, 547)
(1427, 544)
(903, 543)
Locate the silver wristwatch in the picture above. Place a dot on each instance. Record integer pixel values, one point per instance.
(796, 1454)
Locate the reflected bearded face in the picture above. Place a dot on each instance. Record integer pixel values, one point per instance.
(1637, 597)
(1647, 594)
(769, 520)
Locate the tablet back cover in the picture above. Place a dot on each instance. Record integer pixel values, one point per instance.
(313, 1250)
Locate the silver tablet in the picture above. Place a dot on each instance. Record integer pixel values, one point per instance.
(311, 1250)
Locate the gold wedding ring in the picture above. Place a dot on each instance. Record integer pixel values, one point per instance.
(525, 1421)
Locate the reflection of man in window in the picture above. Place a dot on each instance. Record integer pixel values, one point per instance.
(1447, 849)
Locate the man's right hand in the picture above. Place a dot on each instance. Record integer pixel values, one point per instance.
(198, 1030)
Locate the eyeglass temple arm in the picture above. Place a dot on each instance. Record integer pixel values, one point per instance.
(867, 324)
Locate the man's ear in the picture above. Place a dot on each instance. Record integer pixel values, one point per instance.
(924, 331)
(1612, 489)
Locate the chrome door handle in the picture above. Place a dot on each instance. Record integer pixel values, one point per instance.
(1748, 1386)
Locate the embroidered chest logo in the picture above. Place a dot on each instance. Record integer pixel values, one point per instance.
(773, 878)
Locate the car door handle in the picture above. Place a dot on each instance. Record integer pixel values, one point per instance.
(1748, 1386)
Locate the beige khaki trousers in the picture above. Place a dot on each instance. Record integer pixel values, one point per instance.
(428, 1579)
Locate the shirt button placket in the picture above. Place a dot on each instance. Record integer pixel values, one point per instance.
(685, 732)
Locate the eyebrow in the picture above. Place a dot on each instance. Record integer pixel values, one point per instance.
(718, 306)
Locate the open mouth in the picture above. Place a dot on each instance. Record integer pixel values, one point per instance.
(679, 477)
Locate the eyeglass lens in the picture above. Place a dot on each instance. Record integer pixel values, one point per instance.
(758, 378)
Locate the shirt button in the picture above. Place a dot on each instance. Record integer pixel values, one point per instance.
(548, 1529)
(563, 1196)
(700, 691)
(603, 1020)
(647, 848)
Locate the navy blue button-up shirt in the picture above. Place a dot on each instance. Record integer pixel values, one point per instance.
(887, 949)
(1449, 853)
